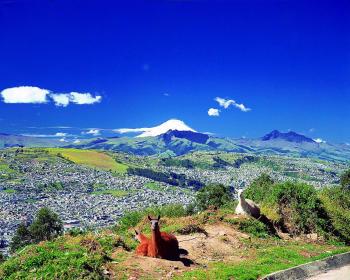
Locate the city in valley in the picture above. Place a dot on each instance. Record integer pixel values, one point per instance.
(88, 196)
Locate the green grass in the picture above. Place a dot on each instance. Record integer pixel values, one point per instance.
(268, 258)
(154, 186)
(90, 158)
(67, 257)
(115, 193)
(9, 191)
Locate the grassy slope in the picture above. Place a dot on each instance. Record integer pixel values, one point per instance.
(86, 256)
(90, 158)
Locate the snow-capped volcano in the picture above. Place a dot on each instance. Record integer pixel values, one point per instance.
(172, 124)
(165, 127)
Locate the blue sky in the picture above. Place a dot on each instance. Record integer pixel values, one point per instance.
(141, 64)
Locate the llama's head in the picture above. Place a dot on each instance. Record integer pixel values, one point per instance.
(240, 192)
(154, 222)
(137, 235)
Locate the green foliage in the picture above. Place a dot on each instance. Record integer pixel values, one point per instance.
(299, 207)
(215, 195)
(336, 201)
(259, 188)
(64, 258)
(345, 180)
(2, 258)
(21, 238)
(46, 226)
(253, 227)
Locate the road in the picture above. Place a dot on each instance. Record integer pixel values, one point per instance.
(342, 273)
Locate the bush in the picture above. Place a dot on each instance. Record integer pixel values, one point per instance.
(299, 208)
(253, 227)
(215, 195)
(336, 201)
(260, 188)
(345, 180)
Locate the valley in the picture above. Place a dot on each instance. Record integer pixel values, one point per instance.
(92, 189)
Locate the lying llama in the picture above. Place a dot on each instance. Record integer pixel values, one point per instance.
(161, 245)
(142, 249)
(247, 206)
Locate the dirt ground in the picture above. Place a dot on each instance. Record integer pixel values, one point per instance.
(221, 243)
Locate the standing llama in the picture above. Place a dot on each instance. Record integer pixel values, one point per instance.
(160, 245)
(247, 206)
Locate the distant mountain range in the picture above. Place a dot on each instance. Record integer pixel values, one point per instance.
(290, 136)
(175, 142)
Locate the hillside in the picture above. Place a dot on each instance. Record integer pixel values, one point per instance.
(220, 246)
(175, 143)
(10, 140)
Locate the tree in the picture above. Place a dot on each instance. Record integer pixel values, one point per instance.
(259, 188)
(46, 225)
(2, 258)
(21, 238)
(345, 180)
(213, 195)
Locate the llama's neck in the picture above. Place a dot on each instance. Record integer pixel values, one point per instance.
(242, 200)
(156, 238)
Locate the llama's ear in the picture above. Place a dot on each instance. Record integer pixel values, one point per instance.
(158, 217)
(149, 218)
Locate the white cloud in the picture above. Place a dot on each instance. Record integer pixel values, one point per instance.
(92, 131)
(61, 134)
(319, 140)
(228, 102)
(60, 99)
(213, 112)
(24, 94)
(62, 140)
(242, 107)
(76, 141)
(172, 124)
(84, 98)
(28, 94)
(130, 130)
(63, 99)
(58, 134)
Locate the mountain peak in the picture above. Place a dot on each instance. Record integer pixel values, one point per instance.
(172, 124)
(290, 136)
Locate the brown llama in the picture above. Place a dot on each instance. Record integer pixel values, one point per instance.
(142, 249)
(162, 245)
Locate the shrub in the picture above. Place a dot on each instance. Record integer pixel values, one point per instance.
(215, 195)
(260, 188)
(253, 227)
(336, 201)
(345, 180)
(299, 208)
